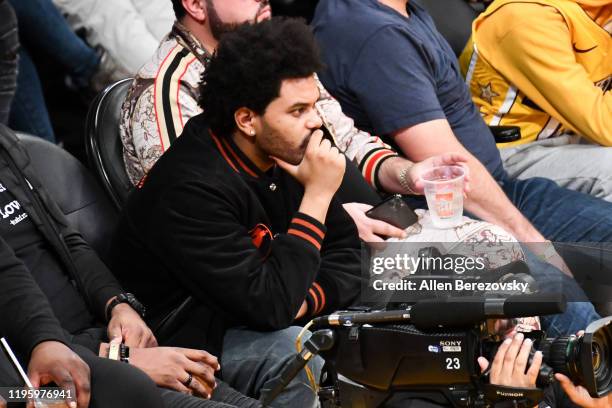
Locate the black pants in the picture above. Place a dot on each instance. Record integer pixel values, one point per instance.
(119, 385)
(113, 384)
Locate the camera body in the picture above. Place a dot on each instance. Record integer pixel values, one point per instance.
(375, 365)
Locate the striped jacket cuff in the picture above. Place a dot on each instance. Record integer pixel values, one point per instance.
(370, 165)
(315, 299)
(307, 228)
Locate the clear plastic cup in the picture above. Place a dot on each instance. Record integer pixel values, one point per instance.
(50, 403)
(444, 193)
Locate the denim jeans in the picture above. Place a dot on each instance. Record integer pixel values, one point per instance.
(223, 397)
(579, 311)
(29, 111)
(44, 31)
(252, 361)
(561, 215)
(9, 44)
(42, 28)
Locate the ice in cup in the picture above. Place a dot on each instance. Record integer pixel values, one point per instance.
(444, 193)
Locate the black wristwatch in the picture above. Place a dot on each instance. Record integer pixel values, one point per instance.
(128, 298)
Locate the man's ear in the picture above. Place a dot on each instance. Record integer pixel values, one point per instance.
(196, 9)
(247, 121)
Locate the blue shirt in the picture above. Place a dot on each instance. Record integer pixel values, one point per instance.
(390, 72)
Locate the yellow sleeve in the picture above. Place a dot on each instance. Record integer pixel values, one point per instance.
(531, 46)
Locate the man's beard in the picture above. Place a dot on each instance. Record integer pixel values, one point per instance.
(218, 27)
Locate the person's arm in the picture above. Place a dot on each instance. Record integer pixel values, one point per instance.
(101, 287)
(147, 137)
(536, 53)
(378, 162)
(338, 282)
(32, 320)
(400, 99)
(98, 282)
(486, 199)
(368, 151)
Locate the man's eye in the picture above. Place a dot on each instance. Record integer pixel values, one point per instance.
(298, 112)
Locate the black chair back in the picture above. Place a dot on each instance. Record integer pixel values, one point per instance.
(75, 191)
(103, 143)
(453, 19)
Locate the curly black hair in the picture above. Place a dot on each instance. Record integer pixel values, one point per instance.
(249, 65)
(179, 10)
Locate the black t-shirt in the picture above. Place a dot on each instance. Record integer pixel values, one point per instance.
(31, 248)
(390, 72)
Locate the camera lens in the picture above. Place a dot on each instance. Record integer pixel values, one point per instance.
(600, 352)
(596, 352)
(563, 355)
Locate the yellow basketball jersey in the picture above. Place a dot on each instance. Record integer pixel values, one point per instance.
(533, 63)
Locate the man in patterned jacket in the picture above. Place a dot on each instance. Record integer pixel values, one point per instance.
(164, 97)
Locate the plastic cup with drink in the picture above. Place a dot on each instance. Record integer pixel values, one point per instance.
(443, 187)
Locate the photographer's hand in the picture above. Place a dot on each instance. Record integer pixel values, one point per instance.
(510, 364)
(580, 396)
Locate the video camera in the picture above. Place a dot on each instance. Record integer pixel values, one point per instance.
(429, 351)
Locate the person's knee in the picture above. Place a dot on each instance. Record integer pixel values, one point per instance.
(284, 340)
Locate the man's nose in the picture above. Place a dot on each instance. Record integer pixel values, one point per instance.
(315, 121)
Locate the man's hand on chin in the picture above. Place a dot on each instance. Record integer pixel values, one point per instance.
(126, 325)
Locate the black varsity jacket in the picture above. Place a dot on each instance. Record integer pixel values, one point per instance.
(208, 223)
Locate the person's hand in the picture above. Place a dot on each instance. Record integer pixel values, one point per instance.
(371, 230)
(171, 367)
(322, 168)
(510, 364)
(2, 403)
(126, 325)
(52, 361)
(448, 159)
(580, 396)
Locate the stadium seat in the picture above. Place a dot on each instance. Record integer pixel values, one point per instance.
(103, 144)
(453, 19)
(75, 190)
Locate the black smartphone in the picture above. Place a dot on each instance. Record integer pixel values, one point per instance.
(394, 210)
